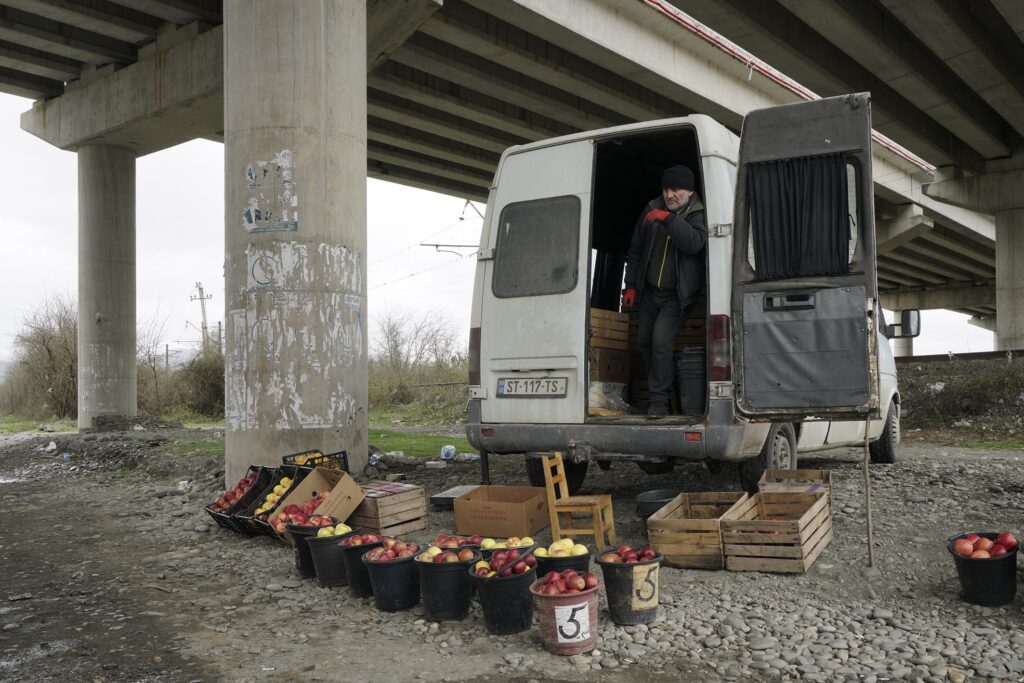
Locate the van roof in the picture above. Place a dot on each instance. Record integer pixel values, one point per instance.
(715, 139)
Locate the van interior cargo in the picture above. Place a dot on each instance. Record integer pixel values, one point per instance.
(627, 175)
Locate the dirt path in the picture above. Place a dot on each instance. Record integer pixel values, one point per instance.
(111, 573)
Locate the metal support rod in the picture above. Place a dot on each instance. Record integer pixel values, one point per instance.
(867, 493)
(485, 468)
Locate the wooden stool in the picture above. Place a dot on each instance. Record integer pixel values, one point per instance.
(602, 521)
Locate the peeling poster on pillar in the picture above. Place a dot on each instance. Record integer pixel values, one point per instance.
(271, 204)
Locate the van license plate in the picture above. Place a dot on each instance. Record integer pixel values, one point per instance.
(542, 387)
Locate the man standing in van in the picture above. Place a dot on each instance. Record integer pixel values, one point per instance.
(664, 275)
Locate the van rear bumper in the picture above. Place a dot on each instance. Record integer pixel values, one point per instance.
(719, 440)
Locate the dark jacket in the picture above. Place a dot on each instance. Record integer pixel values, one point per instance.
(689, 237)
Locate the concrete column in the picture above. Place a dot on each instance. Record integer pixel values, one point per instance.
(1010, 279)
(295, 230)
(106, 283)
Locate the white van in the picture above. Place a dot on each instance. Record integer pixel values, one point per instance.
(795, 350)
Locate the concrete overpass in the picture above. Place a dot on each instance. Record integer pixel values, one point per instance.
(311, 97)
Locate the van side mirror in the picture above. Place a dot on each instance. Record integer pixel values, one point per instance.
(909, 325)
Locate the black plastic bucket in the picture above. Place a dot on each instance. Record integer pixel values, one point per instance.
(327, 560)
(358, 578)
(649, 502)
(507, 603)
(691, 380)
(446, 588)
(632, 590)
(581, 563)
(986, 581)
(303, 558)
(396, 583)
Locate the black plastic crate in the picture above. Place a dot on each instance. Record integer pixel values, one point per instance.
(258, 526)
(334, 461)
(226, 517)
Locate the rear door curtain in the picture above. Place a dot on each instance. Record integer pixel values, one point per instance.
(799, 216)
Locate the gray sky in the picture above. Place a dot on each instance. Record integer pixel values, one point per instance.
(180, 241)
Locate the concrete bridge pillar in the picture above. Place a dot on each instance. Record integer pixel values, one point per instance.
(295, 230)
(106, 283)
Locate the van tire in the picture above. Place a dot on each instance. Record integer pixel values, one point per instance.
(575, 473)
(778, 453)
(657, 467)
(883, 451)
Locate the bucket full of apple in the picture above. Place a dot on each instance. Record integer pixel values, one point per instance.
(566, 605)
(445, 584)
(299, 533)
(503, 586)
(393, 575)
(353, 548)
(631, 583)
(561, 555)
(986, 564)
(325, 549)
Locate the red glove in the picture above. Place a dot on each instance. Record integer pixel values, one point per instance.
(629, 298)
(656, 215)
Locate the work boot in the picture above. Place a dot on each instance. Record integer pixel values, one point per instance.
(657, 410)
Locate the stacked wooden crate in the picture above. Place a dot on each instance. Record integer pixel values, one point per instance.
(687, 531)
(609, 346)
(391, 508)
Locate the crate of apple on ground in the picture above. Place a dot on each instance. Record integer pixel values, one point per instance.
(256, 517)
(238, 499)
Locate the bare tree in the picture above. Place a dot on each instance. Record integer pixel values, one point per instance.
(43, 379)
(150, 359)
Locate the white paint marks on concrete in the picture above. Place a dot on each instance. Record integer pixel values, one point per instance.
(272, 204)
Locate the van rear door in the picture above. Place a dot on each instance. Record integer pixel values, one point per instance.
(533, 314)
(804, 282)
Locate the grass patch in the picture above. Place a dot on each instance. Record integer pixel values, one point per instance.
(199, 447)
(1008, 445)
(417, 444)
(14, 424)
(415, 414)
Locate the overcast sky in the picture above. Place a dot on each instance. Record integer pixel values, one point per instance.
(180, 241)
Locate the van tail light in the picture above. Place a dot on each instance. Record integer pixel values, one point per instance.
(721, 349)
(474, 356)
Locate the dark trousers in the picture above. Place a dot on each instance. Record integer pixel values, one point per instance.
(660, 320)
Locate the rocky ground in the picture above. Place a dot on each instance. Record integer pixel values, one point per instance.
(112, 572)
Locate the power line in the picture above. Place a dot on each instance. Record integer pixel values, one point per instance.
(414, 274)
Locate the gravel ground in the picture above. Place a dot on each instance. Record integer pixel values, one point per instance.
(113, 573)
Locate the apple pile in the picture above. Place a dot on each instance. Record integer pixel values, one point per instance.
(505, 563)
(451, 542)
(392, 550)
(337, 530)
(980, 548)
(563, 548)
(513, 542)
(270, 502)
(435, 554)
(229, 498)
(360, 539)
(302, 514)
(626, 555)
(569, 581)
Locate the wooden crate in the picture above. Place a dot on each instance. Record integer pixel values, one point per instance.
(390, 508)
(795, 481)
(609, 329)
(687, 531)
(777, 532)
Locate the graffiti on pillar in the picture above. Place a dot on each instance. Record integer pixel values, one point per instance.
(271, 204)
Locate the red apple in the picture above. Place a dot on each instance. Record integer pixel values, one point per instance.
(997, 550)
(972, 537)
(611, 557)
(576, 581)
(483, 571)
(963, 547)
(1007, 540)
(465, 554)
(530, 560)
(589, 580)
(983, 544)
(407, 553)
(476, 540)
(980, 554)
(370, 538)
(505, 571)
(549, 589)
(519, 567)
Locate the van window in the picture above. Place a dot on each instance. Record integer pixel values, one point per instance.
(803, 216)
(537, 251)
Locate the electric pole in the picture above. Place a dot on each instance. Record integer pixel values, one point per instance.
(202, 304)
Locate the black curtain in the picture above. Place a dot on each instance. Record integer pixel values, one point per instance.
(798, 216)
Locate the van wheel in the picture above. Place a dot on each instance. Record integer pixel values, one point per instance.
(656, 467)
(883, 451)
(575, 473)
(778, 453)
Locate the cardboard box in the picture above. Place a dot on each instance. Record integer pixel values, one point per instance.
(502, 511)
(609, 365)
(344, 497)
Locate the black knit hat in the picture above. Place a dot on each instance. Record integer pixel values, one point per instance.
(677, 178)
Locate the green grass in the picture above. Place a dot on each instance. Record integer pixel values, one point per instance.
(1007, 445)
(14, 424)
(199, 447)
(417, 444)
(416, 414)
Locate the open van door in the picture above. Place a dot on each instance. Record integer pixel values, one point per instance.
(804, 283)
(533, 358)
